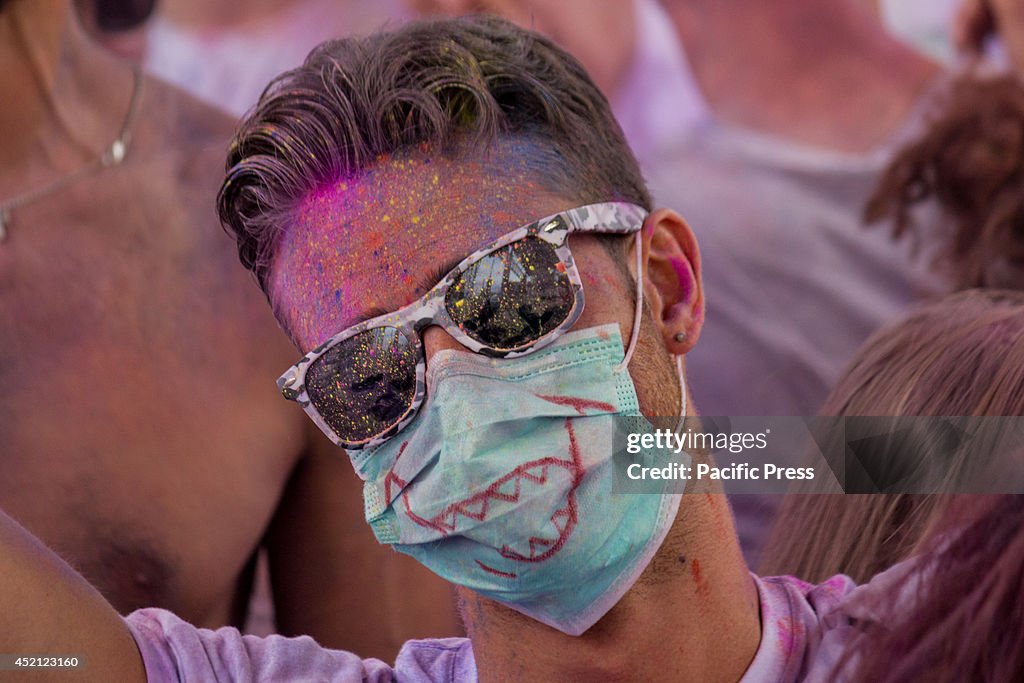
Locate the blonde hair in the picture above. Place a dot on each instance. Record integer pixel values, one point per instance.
(963, 355)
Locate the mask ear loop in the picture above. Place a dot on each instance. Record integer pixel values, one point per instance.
(682, 393)
(635, 334)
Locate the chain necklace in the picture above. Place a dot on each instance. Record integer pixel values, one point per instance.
(112, 156)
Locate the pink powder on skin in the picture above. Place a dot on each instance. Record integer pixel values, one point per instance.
(682, 269)
(361, 246)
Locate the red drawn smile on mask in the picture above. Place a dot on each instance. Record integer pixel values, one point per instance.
(508, 489)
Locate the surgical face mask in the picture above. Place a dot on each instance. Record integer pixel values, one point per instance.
(504, 483)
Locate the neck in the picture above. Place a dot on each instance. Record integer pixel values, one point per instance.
(692, 616)
(788, 69)
(71, 96)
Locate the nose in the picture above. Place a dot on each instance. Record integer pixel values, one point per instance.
(436, 339)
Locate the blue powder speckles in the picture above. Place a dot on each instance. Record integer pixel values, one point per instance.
(366, 243)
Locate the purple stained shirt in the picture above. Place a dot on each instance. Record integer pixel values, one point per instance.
(804, 630)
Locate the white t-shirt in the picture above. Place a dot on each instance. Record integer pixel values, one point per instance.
(926, 25)
(229, 68)
(658, 103)
(794, 282)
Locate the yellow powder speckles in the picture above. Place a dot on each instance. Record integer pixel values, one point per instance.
(371, 242)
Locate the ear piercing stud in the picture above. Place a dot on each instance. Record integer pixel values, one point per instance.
(680, 337)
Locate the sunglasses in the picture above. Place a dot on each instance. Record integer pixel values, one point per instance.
(364, 385)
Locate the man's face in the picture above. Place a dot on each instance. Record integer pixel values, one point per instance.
(368, 245)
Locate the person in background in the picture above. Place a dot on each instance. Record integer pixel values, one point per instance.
(226, 52)
(947, 604)
(926, 25)
(969, 165)
(958, 357)
(963, 622)
(119, 25)
(799, 285)
(807, 101)
(991, 32)
(142, 438)
(629, 47)
(968, 169)
(208, 48)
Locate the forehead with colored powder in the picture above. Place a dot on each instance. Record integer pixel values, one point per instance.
(365, 245)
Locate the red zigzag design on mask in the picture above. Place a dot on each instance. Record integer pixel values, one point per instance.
(393, 478)
(477, 506)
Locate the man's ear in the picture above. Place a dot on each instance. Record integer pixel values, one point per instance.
(672, 279)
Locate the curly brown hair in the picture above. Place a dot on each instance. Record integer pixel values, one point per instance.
(970, 162)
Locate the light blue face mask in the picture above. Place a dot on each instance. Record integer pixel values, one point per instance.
(504, 482)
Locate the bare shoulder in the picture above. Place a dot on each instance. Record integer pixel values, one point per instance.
(189, 136)
(170, 179)
(185, 121)
(179, 149)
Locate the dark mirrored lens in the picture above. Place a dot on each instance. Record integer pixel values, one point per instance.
(365, 384)
(512, 296)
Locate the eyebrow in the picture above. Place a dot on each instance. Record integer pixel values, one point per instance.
(438, 273)
(425, 283)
